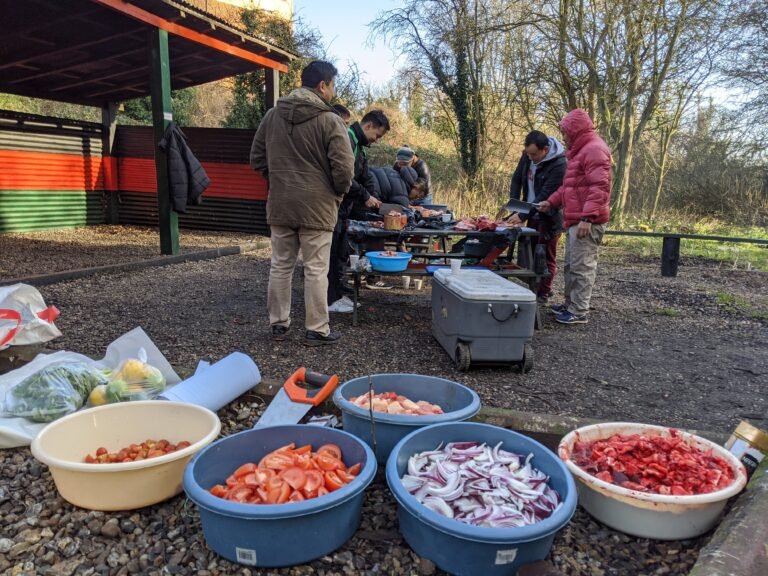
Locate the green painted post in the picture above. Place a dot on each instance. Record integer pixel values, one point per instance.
(160, 87)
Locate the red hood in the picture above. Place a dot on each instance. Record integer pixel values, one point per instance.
(575, 124)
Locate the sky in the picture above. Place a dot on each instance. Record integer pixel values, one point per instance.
(344, 27)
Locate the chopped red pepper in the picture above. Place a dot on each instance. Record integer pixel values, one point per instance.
(653, 464)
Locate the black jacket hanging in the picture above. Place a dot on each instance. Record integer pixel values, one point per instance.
(187, 179)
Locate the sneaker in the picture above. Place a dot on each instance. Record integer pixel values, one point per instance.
(571, 318)
(558, 308)
(279, 332)
(348, 301)
(341, 307)
(378, 285)
(317, 339)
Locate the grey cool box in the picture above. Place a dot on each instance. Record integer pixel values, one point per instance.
(478, 316)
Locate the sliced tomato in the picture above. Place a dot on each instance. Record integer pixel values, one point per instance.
(285, 448)
(322, 491)
(306, 449)
(345, 476)
(326, 461)
(295, 477)
(240, 493)
(315, 479)
(250, 479)
(276, 461)
(332, 481)
(264, 474)
(297, 496)
(219, 490)
(332, 449)
(285, 493)
(279, 494)
(247, 468)
(355, 469)
(304, 461)
(232, 481)
(274, 483)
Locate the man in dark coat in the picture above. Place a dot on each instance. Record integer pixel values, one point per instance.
(538, 175)
(392, 187)
(406, 156)
(356, 203)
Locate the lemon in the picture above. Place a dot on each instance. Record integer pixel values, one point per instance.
(98, 395)
(135, 370)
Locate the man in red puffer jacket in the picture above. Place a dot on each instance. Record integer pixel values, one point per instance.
(585, 197)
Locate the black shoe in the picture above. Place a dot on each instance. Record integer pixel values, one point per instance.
(279, 332)
(347, 289)
(316, 339)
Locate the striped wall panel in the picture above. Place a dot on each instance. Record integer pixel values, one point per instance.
(227, 214)
(235, 200)
(52, 174)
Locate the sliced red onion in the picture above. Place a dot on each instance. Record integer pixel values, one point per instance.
(482, 486)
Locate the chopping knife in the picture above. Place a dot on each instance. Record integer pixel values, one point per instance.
(515, 205)
(302, 391)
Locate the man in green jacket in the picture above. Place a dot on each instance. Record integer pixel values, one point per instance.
(302, 149)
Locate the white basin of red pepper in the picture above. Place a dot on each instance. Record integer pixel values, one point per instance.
(654, 464)
(651, 481)
(481, 485)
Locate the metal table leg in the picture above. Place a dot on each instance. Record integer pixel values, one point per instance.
(355, 297)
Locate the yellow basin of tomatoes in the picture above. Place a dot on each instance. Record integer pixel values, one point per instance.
(288, 474)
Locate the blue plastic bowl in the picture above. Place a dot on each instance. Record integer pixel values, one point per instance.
(458, 403)
(388, 263)
(279, 534)
(469, 550)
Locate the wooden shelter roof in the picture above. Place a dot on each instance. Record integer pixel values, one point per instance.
(96, 51)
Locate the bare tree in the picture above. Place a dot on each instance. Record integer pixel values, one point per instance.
(454, 45)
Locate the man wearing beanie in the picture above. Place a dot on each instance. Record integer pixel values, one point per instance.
(406, 156)
(585, 197)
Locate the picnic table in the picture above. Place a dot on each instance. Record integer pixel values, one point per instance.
(511, 254)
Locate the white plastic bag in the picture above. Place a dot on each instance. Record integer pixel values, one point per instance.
(20, 431)
(24, 317)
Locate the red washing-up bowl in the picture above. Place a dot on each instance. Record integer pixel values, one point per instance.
(657, 516)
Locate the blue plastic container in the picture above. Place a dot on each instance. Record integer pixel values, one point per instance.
(468, 550)
(279, 534)
(458, 403)
(388, 263)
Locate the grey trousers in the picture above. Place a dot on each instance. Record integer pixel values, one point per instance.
(315, 246)
(580, 267)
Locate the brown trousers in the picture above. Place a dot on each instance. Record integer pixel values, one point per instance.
(580, 269)
(315, 246)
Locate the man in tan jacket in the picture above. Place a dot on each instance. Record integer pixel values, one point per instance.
(302, 149)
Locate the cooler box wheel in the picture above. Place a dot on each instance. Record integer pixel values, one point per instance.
(462, 358)
(526, 364)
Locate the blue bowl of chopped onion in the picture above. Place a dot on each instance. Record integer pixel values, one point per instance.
(477, 499)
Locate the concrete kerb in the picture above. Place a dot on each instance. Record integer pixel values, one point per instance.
(43, 279)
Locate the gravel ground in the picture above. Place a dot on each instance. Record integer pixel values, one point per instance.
(687, 351)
